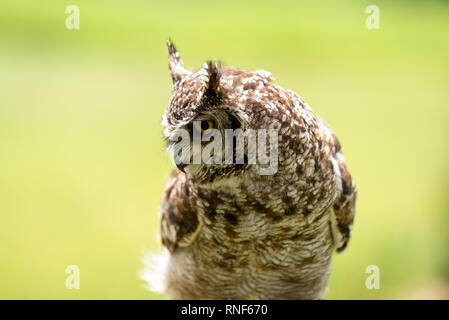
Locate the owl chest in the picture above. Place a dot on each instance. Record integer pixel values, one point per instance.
(251, 244)
(255, 237)
(255, 255)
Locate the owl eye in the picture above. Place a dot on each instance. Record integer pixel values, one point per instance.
(204, 126)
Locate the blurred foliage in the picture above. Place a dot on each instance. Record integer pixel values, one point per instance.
(82, 162)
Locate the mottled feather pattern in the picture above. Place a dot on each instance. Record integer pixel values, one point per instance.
(241, 235)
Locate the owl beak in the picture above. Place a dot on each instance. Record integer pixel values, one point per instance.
(181, 167)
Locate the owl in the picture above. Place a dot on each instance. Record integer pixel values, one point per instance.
(231, 231)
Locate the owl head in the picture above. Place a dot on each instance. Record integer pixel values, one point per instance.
(218, 104)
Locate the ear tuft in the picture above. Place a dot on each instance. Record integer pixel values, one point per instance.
(213, 71)
(175, 63)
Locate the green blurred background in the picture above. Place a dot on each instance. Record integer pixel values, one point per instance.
(82, 162)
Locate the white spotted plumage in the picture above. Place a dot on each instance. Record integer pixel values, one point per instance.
(234, 234)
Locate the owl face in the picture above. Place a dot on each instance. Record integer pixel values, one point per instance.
(198, 117)
(212, 122)
(195, 150)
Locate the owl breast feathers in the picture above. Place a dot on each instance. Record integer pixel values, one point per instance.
(231, 232)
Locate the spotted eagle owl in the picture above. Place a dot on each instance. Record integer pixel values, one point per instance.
(231, 232)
